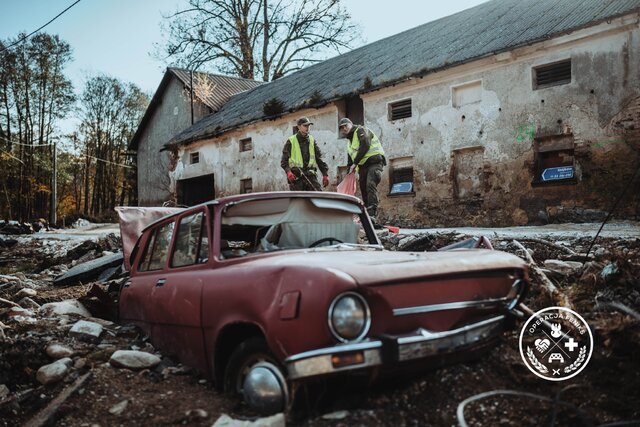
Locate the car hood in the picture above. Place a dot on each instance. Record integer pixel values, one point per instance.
(370, 267)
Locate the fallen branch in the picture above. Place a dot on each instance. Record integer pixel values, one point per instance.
(555, 293)
(551, 244)
(620, 307)
(45, 416)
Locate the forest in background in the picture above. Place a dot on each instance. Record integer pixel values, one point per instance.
(94, 172)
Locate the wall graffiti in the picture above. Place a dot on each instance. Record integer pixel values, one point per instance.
(602, 144)
(526, 132)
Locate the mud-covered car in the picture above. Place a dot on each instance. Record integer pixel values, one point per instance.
(264, 291)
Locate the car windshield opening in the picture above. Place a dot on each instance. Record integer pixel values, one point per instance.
(258, 226)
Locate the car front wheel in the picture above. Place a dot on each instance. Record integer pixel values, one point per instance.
(254, 373)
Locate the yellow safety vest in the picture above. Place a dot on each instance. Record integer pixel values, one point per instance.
(295, 159)
(374, 148)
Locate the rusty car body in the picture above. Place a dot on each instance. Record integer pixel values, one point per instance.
(263, 291)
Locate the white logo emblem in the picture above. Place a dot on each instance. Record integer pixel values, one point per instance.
(562, 340)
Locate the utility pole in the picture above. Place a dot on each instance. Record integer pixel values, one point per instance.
(191, 84)
(54, 193)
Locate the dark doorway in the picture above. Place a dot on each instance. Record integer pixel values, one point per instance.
(355, 109)
(196, 190)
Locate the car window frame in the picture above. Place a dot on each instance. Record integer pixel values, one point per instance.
(178, 220)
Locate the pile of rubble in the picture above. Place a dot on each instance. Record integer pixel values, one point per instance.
(61, 356)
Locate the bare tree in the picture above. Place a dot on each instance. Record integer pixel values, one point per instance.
(111, 112)
(256, 37)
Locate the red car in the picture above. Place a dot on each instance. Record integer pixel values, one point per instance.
(261, 291)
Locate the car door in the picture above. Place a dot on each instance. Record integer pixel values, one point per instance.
(135, 298)
(176, 296)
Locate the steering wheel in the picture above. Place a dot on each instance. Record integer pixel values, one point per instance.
(325, 239)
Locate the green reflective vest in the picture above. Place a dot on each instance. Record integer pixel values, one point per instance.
(374, 148)
(295, 159)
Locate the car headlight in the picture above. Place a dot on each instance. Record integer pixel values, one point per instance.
(349, 317)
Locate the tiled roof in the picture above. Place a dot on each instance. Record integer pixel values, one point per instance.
(487, 29)
(222, 87)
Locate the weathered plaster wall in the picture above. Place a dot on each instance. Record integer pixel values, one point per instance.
(172, 116)
(495, 136)
(223, 158)
(476, 163)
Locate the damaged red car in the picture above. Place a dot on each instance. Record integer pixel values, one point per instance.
(264, 291)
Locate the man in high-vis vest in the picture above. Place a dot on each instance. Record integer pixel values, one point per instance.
(365, 156)
(300, 159)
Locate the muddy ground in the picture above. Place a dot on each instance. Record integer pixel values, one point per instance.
(605, 291)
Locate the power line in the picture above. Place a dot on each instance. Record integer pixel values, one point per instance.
(30, 34)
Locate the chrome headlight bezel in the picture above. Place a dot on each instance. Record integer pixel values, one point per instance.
(364, 328)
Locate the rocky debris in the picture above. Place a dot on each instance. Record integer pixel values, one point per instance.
(119, 408)
(55, 371)
(58, 351)
(565, 268)
(225, 420)
(84, 330)
(604, 290)
(132, 359)
(65, 307)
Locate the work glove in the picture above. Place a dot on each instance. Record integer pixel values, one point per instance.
(290, 176)
(325, 181)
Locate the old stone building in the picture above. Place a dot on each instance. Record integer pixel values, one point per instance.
(511, 112)
(173, 108)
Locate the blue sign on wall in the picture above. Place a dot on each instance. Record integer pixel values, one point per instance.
(555, 174)
(402, 187)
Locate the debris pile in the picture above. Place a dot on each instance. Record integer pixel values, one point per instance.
(63, 357)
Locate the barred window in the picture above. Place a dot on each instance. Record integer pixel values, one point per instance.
(558, 73)
(246, 144)
(400, 109)
(194, 157)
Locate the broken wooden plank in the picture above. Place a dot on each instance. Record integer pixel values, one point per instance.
(45, 416)
(553, 290)
(88, 270)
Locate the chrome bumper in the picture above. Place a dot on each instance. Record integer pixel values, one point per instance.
(390, 349)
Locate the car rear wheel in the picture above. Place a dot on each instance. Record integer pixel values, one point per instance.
(254, 374)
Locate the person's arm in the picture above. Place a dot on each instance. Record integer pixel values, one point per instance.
(324, 169)
(286, 153)
(365, 144)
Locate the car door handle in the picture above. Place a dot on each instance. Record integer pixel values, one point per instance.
(127, 283)
(160, 282)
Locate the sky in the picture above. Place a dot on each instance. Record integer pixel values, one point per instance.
(116, 37)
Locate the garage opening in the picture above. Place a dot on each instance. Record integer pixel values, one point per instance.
(196, 190)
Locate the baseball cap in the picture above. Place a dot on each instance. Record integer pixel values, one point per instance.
(344, 122)
(304, 121)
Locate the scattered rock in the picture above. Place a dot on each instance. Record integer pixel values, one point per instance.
(54, 372)
(65, 307)
(89, 331)
(338, 415)
(119, 408)
(25, 292)
(225, 420)
(59, 351)
(134, 359)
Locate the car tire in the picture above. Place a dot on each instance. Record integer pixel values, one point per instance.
(250, 354)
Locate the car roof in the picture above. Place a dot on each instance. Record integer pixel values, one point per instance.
(238, 198)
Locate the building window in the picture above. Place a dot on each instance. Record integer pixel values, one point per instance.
(558, 73)
(246, 186)
(401, 176)
(555, 159)
(194, 157)
(400, 109)
(468, 93)
(246, 144)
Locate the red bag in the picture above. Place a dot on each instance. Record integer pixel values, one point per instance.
(348, 185)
